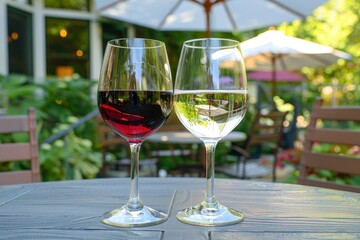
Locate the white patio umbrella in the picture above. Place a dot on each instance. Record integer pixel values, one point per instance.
(274, 51)
(206, 15)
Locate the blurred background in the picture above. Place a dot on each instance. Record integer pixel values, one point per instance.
(51, 53)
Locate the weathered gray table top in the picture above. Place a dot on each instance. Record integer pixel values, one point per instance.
(71, 210)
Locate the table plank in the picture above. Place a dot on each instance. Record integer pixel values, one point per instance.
(74, 206)
(269, 207)
(280, 235)
(9, 193)
(40, 234)
(187, 235)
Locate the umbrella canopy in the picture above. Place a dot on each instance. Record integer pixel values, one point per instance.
(280, 76)
(274, 51)
(206, 15)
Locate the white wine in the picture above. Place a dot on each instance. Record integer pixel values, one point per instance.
(210, 113)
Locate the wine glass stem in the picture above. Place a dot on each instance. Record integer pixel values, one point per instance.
(210, 170)
(134, 202)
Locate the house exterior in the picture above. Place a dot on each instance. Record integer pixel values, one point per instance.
(45, 38)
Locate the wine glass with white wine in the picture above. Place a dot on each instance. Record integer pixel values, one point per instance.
(210, 100)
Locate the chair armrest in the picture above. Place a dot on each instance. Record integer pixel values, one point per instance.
(240, 150)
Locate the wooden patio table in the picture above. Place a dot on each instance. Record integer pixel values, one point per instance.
(185, 137)
(188, 138)
(71, 210)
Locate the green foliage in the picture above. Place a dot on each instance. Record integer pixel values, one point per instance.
(190, 112)
(58, 104)
(73, 156)
(64, 102)
(71, 98)
(336, 24)
(19, 92)
(69, 158)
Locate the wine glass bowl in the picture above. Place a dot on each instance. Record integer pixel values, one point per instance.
(210, 100)
(135, 97)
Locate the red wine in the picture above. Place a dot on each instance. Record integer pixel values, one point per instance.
(135, 114)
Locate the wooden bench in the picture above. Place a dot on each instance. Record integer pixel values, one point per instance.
(328, 126)
(20, 151)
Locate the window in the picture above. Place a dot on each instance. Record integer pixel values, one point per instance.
(112, 29)
(20, 42)
(67, 47)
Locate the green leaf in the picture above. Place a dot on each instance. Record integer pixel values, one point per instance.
(325, 174)
(354, 180)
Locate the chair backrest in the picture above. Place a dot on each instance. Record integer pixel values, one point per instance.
(328, 126)
(24, 151)
(267, 128)
(108, 138)
(267, 131)
(172, 124)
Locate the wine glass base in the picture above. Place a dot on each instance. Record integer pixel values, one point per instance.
(203, 215)
(122, 217)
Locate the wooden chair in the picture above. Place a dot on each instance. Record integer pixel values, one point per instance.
(265, 133)
(112, 142)
(328, 126)
(28, 151)
(181, 155)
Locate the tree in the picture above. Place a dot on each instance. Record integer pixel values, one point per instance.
(336, 24)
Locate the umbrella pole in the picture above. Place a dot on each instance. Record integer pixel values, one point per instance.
(207, 9)
(273, 89)
(207, 33)
(207, 4)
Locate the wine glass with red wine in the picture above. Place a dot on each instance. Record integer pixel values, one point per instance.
(135, 96)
